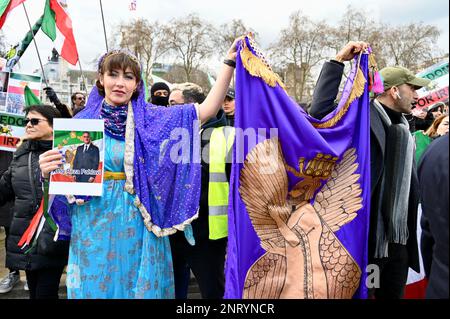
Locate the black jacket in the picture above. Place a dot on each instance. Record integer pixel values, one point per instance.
(325, 93)
(22, 183)
(5, 210)
(434, 183)
(200, 226)
(86, 160)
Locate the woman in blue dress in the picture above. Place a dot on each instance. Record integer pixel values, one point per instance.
(119, 246)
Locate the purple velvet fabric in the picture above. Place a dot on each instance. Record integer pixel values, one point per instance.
(259, 106)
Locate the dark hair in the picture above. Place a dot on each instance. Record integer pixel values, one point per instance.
(88, 133)
(47, 111)
(193, 96)
(72, 98)
(121, 61)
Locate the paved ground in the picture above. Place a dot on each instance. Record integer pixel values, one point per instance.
(19, 293)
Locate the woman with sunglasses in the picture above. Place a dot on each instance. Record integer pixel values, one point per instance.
(44, 262)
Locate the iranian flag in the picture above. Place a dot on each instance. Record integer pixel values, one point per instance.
(57, 25)
(18, 82)
(6, 6)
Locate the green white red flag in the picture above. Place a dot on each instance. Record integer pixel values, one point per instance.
(6, 6)
(57, 25)
(18, 82)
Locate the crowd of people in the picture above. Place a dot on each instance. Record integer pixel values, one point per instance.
(117, 248)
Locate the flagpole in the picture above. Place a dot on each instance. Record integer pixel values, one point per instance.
(104, 28)
(35, 44)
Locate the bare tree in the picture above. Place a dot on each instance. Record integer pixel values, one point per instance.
(357, 25)
(146, 40)
(228, 32)
(190, 40)
(301, 46)
(177, 74)
(410, 45)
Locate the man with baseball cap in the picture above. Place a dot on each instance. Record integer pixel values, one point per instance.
(229, 107)
(394, 183)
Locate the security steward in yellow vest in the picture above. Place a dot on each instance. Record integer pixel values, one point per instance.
(206, 258)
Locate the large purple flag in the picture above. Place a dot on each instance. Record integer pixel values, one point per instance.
(300, 189)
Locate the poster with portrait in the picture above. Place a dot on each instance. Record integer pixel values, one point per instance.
(82, 144)
(12, 105)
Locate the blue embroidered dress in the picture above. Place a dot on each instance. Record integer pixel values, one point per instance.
(116, 256)
(119, 246)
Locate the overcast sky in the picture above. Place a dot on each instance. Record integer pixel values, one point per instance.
(264, 16)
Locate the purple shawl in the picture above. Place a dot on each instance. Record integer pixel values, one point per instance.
(167, 189)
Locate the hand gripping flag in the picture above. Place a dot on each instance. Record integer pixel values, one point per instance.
(57, 25)
(299, 191)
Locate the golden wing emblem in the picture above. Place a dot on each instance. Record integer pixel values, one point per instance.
(264, 189)
(304, 258)
(337, 203)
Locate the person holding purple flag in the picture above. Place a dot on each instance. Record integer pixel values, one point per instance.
(394, 185)
(119, 246)
(300, 189)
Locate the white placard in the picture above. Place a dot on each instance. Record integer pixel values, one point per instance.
(83, 145)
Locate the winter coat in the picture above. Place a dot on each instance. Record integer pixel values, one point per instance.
(325, 93)
(22, 183)
(5, 210)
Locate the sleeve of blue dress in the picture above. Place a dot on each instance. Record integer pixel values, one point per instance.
(166, 174)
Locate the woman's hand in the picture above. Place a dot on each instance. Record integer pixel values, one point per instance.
(232, 52)
(216, 96)
(50, 161)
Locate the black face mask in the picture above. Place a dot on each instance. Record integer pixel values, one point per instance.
(160, 100)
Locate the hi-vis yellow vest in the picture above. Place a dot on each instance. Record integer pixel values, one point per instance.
(222, 139)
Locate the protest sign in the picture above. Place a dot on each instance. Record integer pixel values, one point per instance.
(437, 90)
(12, 105)
(435, 71)
(82, 144)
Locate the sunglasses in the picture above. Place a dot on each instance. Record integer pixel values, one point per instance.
(34, 122)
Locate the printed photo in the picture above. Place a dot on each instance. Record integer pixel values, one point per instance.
(4, 78)
(82, 144)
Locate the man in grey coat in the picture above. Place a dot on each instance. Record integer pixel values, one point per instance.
(394, 184)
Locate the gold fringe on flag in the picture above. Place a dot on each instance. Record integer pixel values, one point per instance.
(256, 67)
(372, 62)
(358, 87)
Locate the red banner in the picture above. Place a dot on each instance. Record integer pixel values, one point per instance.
(440, 95)
(8, 142)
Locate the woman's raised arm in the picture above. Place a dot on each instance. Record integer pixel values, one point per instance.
(214, 100)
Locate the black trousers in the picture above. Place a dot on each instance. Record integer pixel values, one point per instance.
(393, 273)
(44, 283)
(206, 260)
(6, 245)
